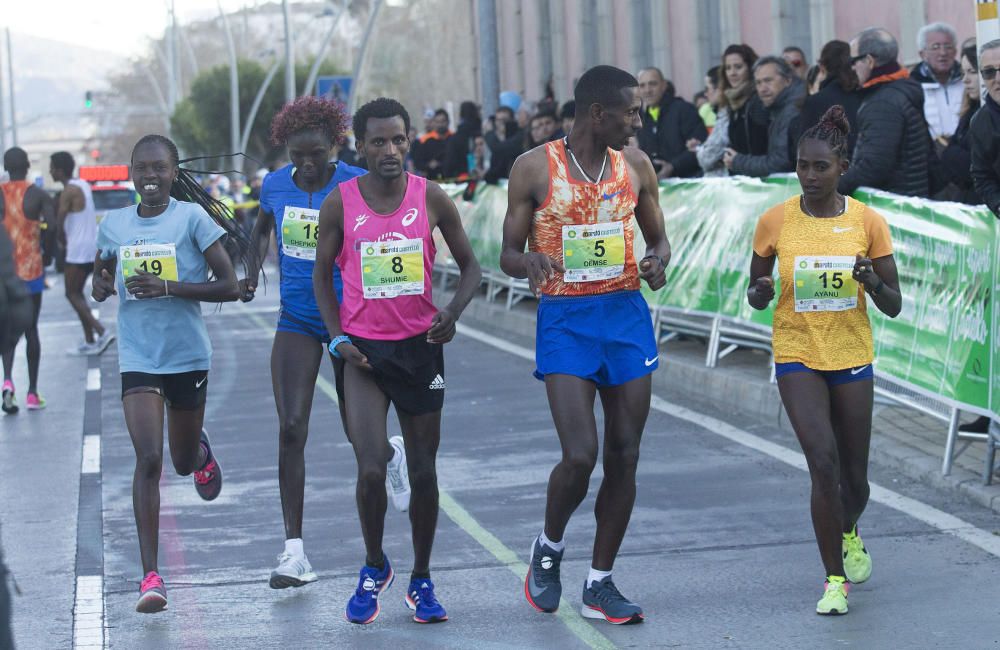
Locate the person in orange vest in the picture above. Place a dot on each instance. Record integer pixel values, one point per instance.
(25, 206)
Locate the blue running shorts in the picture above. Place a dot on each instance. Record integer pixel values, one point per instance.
(832, 377)
(306, 322)
(607, 339)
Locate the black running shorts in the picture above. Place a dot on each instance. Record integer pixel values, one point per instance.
(184, 390)
(410, 372)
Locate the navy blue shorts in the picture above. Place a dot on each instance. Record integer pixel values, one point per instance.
(607, 339)
(832, 377)
(310, 324)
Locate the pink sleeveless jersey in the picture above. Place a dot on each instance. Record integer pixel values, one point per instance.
(386, 263)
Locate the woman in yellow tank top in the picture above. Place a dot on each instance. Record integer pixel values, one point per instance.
(831, 250)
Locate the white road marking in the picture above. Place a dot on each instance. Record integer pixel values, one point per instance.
(88, 613)
(930, 515)
(93, 379)
(91, 463)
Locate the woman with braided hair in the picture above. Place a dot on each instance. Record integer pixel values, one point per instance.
(164, 257)
(290, 199)
(834, 254)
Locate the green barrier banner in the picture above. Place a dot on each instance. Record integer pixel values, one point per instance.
(945, 343)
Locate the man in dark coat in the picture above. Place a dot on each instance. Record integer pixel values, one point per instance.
(668, 122)
(894, 148)
(984, 132)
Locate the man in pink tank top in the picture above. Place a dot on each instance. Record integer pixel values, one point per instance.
(378, 230)
(575, 199)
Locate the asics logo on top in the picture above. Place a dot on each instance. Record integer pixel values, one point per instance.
(855, 371)
(546, 562)
(368, 584)
(360, 220)
(608, 197)
(437, 384)
(839, 230)
(198, 384)
(650, 362)
(410, 216)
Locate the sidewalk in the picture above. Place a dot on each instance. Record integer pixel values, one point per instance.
(903, 439)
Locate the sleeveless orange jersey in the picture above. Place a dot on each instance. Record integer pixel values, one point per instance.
(586, 227)
(25, 234)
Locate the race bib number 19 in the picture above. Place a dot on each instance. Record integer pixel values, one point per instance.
(392, 268)
(300, 232)
(593, 252)
(825, 283)
(158, 259)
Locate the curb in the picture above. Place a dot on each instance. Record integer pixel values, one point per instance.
(753, 398)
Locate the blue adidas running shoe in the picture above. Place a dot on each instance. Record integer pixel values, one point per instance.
(420, 598)
(363, 607)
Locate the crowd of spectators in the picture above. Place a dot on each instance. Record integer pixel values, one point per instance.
(915, 131)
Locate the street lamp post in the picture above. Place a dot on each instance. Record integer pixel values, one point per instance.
(314, 71)
(234, 88)
(289, 53)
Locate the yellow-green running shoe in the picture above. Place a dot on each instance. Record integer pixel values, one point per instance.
(857, 561)
(834, 600)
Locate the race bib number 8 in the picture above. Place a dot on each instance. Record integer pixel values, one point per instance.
(300, 232)
(593, 252)
(392, 268)
(825, 283)
(158, 259)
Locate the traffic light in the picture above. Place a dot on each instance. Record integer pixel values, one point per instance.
(88, 99)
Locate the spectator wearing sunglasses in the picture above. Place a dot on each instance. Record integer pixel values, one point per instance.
(796, 58)
(985, 130)
(940, 75)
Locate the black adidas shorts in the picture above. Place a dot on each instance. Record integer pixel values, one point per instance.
(410, 372)
(185, 391)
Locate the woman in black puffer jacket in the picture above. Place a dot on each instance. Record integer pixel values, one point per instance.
(956, 159)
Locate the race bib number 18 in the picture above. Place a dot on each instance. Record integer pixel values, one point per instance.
(158, 259)
(825, 283)
(300, 232)
(593, 252)
(392, 268)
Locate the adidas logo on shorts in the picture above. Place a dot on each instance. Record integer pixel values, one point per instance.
(437, 384)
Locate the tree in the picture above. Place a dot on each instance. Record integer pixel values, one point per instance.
(200, 123)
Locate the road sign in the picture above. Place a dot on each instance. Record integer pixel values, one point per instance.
(338, 88)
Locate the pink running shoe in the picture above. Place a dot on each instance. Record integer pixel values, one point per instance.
(152, 594)
(35, 402)
(208, 479)
(9, 403)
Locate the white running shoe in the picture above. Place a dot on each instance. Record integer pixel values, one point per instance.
(292, 571)
(397, 476)
(102, 342)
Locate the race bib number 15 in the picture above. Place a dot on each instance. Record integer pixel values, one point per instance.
(825, 283)
(158, 259)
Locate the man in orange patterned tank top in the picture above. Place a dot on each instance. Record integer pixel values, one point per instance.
(572, 201)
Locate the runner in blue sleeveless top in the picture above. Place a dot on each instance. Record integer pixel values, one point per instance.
(290, 199)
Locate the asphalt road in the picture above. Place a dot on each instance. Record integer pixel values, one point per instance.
(720, 551)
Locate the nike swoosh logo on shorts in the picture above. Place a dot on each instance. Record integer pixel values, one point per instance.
(838, 230)
(650, 362)
(608, 197)
(198, 384)
(855, 371)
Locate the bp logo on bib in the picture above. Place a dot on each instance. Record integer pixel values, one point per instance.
(571, 234)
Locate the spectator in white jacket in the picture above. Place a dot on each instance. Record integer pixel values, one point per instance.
(940, 75)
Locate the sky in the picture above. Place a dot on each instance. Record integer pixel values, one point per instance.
(122, 26)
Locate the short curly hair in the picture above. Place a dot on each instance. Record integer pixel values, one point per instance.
(380, 108)
(309, 114)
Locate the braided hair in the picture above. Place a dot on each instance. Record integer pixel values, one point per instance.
(187, 188)
(833, 129)
(309, 114)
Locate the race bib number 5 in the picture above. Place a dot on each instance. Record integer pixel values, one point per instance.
(825, 283)
(300, 232)
(158, 259)
(392, 268)
(593, 252)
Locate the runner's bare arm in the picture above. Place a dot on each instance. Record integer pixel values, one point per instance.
(527, 178)
(652, 267)
(38, 205)
(71, 199)
(449, 221)
(222, 288)
(881, 281)
(760, 292)
(260, 239)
